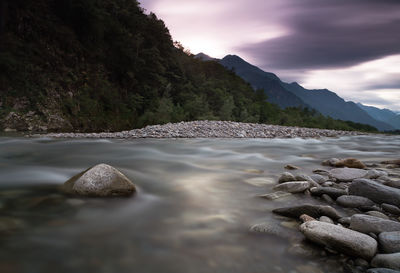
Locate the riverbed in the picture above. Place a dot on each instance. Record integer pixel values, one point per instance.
(196, 200)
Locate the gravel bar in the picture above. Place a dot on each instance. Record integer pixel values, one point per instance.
(212, 129)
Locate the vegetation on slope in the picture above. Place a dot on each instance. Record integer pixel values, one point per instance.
(99, 65)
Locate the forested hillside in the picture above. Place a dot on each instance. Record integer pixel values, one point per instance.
(105, 65)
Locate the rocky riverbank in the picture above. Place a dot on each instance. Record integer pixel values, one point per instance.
(213, 129)
(360, 218)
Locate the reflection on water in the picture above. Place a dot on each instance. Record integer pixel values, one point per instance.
(197, 199)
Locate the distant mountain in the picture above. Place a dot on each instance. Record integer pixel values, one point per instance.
(330, 104)
(385, 115)
(263, 80)
(204, 57)
(284, 94)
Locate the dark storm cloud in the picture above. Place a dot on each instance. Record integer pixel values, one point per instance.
(331, 33)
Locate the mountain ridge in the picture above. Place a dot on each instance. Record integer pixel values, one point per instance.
(293, 94)
(385, 115)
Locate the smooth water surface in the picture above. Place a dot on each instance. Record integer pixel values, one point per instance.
(197, 199)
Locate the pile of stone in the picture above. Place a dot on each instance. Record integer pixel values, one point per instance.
(368, 198)
(213, 129)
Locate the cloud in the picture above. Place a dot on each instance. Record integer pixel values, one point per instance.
(348, 46)
(331, 33)
(375, 82)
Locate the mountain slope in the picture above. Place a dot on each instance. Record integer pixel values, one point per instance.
(105, 65)
(284, 94)
(330, 104)
(384, 115)
(204, 57)
(263, 80)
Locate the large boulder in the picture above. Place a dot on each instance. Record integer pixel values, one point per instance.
(391, 261)
(341, 239)
(353, 201)
(374, 191)
(315, 211)
(292, 187)
(101, 180)
(367, 224)
(390, 241)
(347, 174)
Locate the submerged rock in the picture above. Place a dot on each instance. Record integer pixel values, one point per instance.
(341, 239)
(291, 167)
(391, 261)
(350, 163)
(367, 224)
(347, 174)
(10, 224)
(293, 187)
(395, 162)
(374, 191)
(275, 195)
(276, 230)
(315, 211)
(100, 180)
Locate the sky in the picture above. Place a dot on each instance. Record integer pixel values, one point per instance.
(351, 47)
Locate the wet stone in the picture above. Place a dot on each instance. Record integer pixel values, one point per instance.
(327, 198)
(391, 209)
(367, 224)
(344, 221)
(352, 201)
(286, 177)
(390, 241)
(391, 261)
(374, 191)
(347, 174)
(306, 218)
(377, 214)
(312, 210)
(326, 219)
(332, 192)
(318, 178)
(341, 239)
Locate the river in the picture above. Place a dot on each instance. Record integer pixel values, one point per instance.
(197, 199)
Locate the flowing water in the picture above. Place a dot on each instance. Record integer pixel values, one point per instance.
(197, 199)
